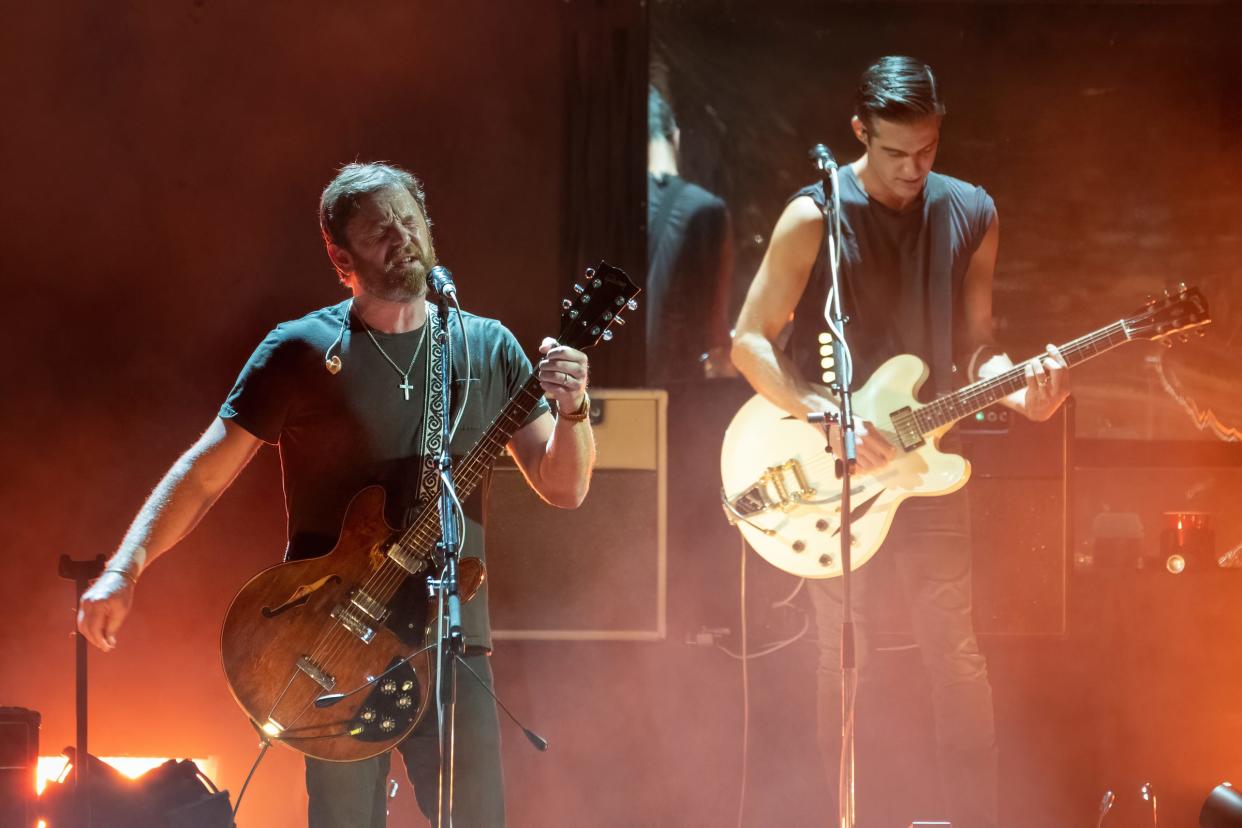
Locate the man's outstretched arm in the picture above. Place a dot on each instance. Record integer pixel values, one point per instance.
(186, 492)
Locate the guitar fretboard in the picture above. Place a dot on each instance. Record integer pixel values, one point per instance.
(978, 396)
(419, 540)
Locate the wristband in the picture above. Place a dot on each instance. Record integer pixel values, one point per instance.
(578, 416)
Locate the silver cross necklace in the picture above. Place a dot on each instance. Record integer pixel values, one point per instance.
(405, 386)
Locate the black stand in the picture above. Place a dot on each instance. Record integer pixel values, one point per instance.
(81, 573)
(843, 370)
(451, 644)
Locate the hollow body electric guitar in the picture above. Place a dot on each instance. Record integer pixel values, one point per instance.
(782, 490)
(357, 623)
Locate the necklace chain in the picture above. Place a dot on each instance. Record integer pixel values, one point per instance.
(405, 375)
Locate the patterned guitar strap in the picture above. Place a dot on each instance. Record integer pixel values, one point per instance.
(432, 438)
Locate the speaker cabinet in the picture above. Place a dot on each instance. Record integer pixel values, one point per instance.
(19, 757)
(598, 571)
(1020, 491)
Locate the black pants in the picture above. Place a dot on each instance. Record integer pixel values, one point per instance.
(352, 794)
(929, 547)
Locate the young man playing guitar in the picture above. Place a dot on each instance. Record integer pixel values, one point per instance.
(917, 259)
(325, 389)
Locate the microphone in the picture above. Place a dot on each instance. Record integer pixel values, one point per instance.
(822, 158)
(440, 280)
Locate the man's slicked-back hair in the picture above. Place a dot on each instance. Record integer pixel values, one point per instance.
(897, 88)
(660, 121)
(354, 182)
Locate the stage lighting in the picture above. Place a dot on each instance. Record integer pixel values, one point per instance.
(173, 794)
(1222, 809)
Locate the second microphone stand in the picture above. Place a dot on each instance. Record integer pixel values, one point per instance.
(843, 370)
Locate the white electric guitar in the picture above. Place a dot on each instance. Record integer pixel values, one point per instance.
(781, 487)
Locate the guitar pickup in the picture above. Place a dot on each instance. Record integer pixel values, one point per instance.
(783, 487)
(411, 562)
(346, 618)
(368, 605)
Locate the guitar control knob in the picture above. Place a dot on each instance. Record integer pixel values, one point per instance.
(632, 304)
(590, 271)
(388, 686)
(407, 686)
(388, 725)
(597, 284)
(799, 546)
(573, 314)
(367, 715)
(821, 525)
(607, 336)
(566, 304)
(825, 560)
(595, 331)
(404, 702)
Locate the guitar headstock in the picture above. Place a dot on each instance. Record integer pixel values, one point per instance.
(589, 314)
(1177, 312)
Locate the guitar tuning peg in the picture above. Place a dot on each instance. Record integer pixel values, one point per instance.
(632, 304)
(607, 336)
(579, 289)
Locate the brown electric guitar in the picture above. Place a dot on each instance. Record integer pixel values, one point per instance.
(356, 623)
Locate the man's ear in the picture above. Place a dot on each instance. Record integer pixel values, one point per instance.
(860, 129)
(341, 258)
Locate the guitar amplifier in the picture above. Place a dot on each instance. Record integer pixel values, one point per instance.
(1021, 491)
(19, 757)
(597, 572)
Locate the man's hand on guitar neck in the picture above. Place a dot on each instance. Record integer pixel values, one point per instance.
(1047, 383)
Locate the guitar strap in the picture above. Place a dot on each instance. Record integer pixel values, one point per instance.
(937, 222)
(432, 439)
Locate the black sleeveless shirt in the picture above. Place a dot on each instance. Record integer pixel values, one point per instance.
(902, 275)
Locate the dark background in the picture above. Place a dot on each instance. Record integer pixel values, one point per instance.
(162, 164)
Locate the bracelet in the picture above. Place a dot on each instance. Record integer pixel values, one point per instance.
(124, 573)
(578, 416)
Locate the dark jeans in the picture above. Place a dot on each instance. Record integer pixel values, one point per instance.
(929, 547)
(352, 794)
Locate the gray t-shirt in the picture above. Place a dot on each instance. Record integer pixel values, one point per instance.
(339, 433)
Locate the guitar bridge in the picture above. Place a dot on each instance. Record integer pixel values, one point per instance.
(317, 675)
(783, 487)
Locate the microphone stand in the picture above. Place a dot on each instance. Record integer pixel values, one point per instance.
(845, 420)
(81, 572)
(451, 643)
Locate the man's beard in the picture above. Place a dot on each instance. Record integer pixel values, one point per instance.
(401, 281)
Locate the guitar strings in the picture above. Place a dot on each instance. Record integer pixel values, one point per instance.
(388, 576)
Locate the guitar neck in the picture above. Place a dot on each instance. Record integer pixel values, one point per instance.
(423, 533)
(978, 396)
